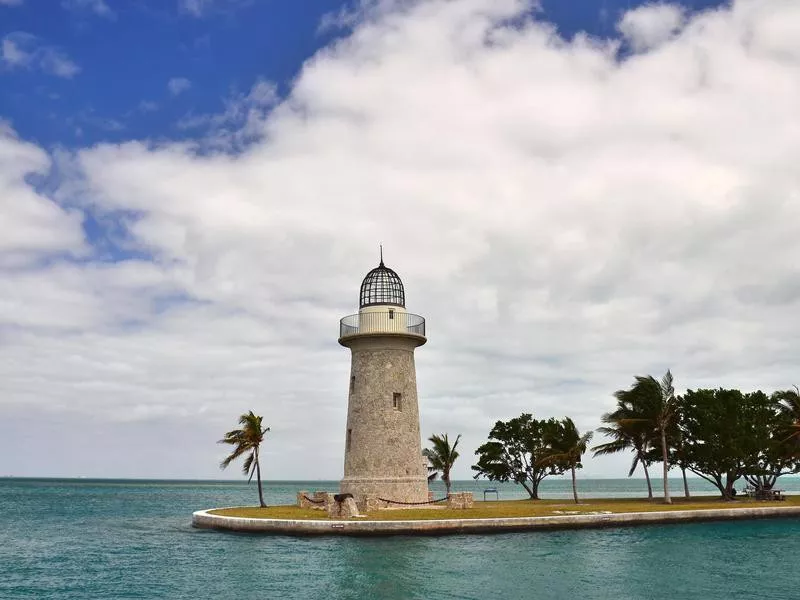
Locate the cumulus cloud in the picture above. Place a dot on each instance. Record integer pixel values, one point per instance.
(563, 217)
(33, 226)
(649, 25)
(24, 50)
(178, 85)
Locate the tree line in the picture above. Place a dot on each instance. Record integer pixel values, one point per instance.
(720, 435)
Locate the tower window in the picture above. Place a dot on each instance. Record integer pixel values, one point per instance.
(349, 439)
(391, 313)
(397, 401)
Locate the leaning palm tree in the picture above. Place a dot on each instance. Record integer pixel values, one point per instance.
(653, 403)
(568, 450)
(246, 441)
(626, 435)
(441, 457)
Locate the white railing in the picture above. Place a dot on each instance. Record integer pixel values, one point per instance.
(388, 321)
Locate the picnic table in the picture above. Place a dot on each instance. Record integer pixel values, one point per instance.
(755, 494)
(777, 495)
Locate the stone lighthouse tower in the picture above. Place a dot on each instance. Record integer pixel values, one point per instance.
(383, 456)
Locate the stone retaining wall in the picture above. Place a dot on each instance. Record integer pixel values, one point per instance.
(204, 519)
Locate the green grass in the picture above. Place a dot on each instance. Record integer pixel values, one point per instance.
(509, 508)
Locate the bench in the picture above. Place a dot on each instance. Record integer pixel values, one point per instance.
(491, 491)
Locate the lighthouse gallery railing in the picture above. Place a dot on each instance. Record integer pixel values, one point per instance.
(376, 322)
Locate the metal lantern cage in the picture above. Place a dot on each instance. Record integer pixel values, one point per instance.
(382, 286)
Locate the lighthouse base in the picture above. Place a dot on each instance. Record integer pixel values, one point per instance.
(402, 490)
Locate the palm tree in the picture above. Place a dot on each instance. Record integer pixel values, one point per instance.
(247, 441)
(658, 405)
(652, 403)
(569, 450)
(441, 457)
(789, 406)
(626, 435)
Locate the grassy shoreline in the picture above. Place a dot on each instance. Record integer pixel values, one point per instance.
(512, 508)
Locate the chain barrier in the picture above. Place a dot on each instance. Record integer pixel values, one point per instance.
(384, 500)
(412, 503)
(313, 501)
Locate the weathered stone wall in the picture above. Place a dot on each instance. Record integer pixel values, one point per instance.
(460, 500)
(382, 442)
(318, 500)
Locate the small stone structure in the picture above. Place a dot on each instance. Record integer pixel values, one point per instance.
(317, 500)
(343, 507)
(460, 500)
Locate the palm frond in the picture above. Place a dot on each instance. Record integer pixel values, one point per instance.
(611, 447)
(634, 464)
(248, 463)
(237, 452)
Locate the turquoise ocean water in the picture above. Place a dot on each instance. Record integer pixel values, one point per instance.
(105, 539)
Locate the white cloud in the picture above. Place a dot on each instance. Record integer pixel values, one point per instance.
(194, 7)
(564, 219)
(13, 55)
(98, 7)
(178, 85)
(32, 225)
(202, 8)
(24, 50)
(57, 63)
(650, 25)
(240, 123)
(11, 2)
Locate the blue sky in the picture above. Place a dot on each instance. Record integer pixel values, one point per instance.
(128, 56)
(574, 192)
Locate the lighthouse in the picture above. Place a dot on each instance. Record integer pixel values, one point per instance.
(383, 455)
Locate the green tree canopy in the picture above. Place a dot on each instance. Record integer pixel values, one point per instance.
(729, 435)
(517, 451)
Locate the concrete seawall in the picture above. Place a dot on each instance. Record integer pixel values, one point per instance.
(204, 519)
